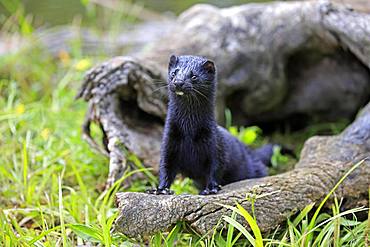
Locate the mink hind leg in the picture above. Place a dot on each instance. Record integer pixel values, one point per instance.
(250, 167)
(257, 168)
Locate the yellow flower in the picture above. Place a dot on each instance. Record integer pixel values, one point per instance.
(45, 133)
(20, 109)
(83, 64)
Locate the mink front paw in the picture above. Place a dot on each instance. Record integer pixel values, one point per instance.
(210, 191)
(159, 191)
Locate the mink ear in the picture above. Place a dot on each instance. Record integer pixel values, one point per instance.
(173, 61)
(209, 66)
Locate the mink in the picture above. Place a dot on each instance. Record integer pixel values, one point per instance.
(193, 144)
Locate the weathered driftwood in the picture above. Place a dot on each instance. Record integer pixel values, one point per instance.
(324, 160)
(274, 61)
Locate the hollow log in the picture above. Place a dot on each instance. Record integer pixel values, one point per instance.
(274, 61)
(324, 160)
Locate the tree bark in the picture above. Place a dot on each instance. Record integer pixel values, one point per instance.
(324, 160)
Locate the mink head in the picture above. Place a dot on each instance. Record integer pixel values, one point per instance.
(191, 76)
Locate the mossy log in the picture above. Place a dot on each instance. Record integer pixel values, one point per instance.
(274, 61)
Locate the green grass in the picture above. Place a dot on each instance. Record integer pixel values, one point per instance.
(51, 182)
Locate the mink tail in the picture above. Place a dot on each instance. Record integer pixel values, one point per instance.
(265, 152)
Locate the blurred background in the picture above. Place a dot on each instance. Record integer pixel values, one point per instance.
(93, 21)
(54, 12)
(99, 26)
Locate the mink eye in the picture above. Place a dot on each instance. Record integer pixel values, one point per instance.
(173, 73)
(194, 78)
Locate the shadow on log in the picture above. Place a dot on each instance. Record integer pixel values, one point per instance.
(274, 61)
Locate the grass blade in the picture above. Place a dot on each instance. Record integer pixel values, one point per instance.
(87, 233)
(61, 214)
(241, 228)
(313, 219)
(230, 232)
(253, 224)
(170, 239)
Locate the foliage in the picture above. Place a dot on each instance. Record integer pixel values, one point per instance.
(248, 135)
(278, 158)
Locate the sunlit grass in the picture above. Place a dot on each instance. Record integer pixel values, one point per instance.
(50, 180)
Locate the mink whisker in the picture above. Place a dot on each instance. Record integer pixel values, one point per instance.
(156, 81)
(159, 88)
(196, 98)
(198, 92)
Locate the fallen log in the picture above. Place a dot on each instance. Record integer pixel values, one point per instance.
(324, 160)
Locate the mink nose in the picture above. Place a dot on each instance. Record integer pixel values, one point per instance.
(178, 84)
